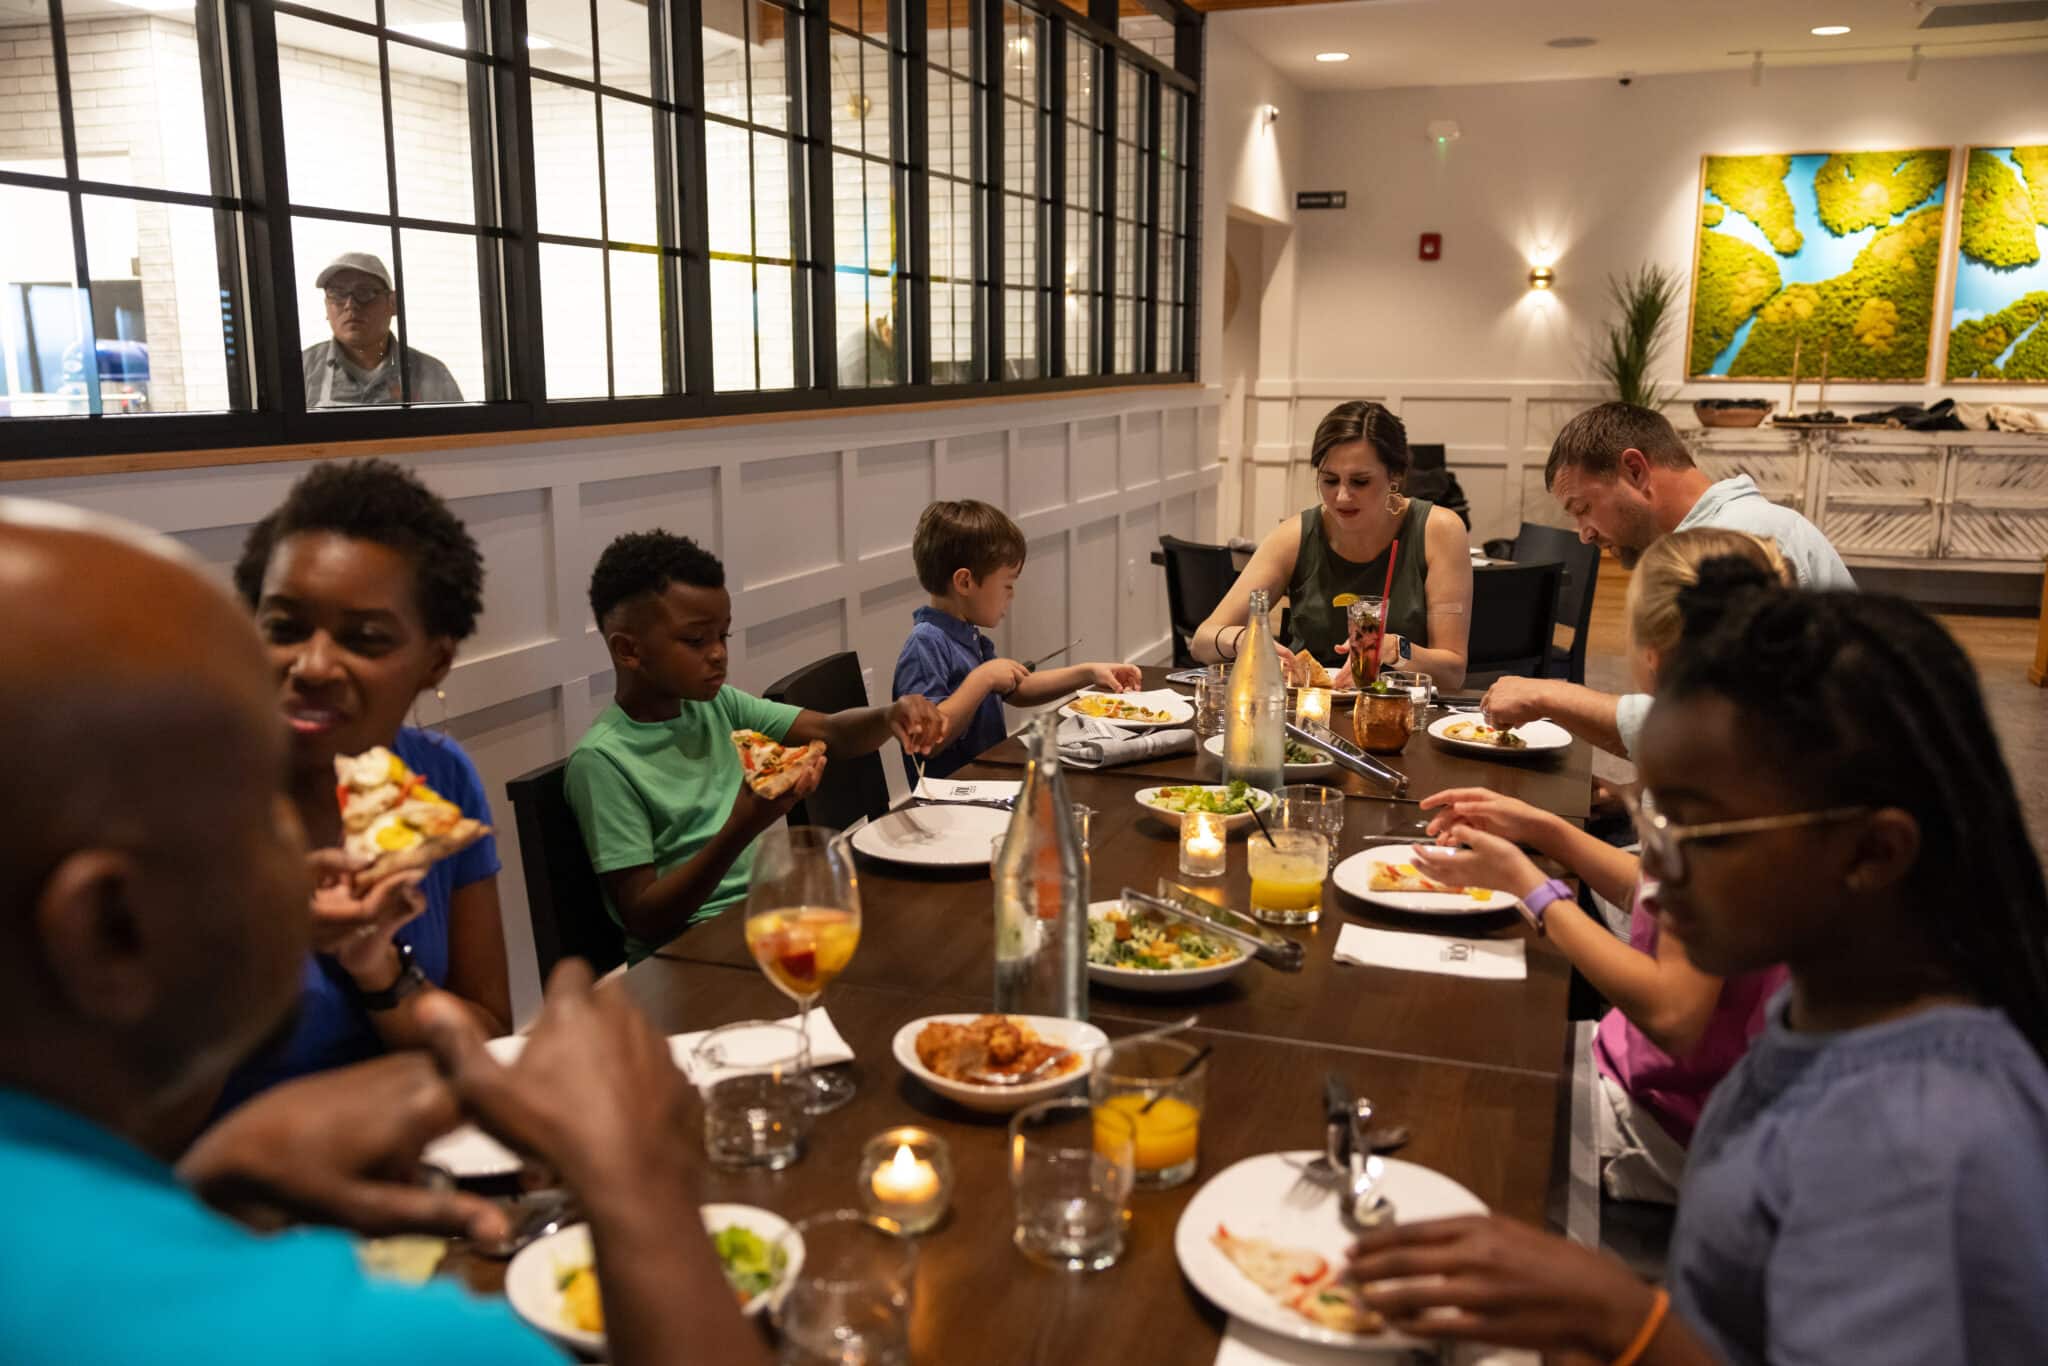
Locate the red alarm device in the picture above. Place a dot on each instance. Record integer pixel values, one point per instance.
(1432, 246)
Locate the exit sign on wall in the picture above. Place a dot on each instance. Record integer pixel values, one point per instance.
(1319, 199)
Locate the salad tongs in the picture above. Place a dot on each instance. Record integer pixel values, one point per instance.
(1178, 903)
(1348, 755)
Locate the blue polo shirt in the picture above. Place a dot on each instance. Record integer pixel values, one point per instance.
(118, 1264)
(332, 1030)
(941, 652)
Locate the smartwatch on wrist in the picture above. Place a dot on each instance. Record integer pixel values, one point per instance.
(409, 982)
(1405, 646)
(1538, 901)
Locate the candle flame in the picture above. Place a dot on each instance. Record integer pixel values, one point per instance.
(904, 1164)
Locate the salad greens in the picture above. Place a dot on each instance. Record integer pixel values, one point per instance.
(1149, 942)
(1233, 800)
(751, 1266)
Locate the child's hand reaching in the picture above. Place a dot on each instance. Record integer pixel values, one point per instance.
(1115, 677)
(1473, 858)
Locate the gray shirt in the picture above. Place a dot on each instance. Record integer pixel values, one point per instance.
(335, 381)
(1738, 505)
(1873, 1196)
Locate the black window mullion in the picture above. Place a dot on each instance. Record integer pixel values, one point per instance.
(1148, 283)
(391, 190)
(519, 253)
(985, 130)
(1052, 174)
(662, 61)
(909, 97)
(1107, 155)
(811, 213)
(687, 28)
(484, 156)
(604, 224)
(227, 231)
(280, 379)
(1189, 39)
(81, 267)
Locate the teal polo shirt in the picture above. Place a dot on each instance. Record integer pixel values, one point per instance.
(113, 1262)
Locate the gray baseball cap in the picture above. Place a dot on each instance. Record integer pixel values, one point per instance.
(354, 260)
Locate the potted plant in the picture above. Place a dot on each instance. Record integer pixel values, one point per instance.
(1632, 342)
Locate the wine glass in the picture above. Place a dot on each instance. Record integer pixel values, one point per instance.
(803, 923)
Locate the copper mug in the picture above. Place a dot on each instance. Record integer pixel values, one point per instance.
(1382, 722)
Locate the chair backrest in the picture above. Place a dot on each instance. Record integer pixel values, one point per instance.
(563, 899)
(1514, 610)
(1427, 476)
(1197, 577)
(1535, 544)
(851, 788)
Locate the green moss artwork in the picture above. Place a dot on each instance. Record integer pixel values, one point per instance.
(2034, 166)
(1857, 190)
(1755, 188)
(1874, 319)
(1710, 216)
(1975, 346)
(1733, 278)
(1998, 216)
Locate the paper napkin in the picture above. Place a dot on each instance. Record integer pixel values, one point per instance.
(1500, 959)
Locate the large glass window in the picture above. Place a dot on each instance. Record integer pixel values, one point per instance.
(865, 252)
(1134, 170)
(1172, 234)
(955, 183)
(1081, 282)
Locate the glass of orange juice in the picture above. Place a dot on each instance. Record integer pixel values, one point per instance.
(1143, 1081)
(1287, 873)
(803, 924)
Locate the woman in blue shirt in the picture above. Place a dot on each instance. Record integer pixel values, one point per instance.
(364, 584)
(1822, 788)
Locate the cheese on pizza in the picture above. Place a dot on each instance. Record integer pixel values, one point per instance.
(772, 768)
(1299, 1279)
(1406, 877)
(1314, 675)
(391, 819)
(1479, 733)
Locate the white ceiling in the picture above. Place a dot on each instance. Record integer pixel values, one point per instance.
(1489, 42)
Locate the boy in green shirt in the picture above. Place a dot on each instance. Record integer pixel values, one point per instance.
(655, 782)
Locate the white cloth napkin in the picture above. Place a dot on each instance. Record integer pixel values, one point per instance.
(1089, 742)
(827, 1047)
(1245, 1345)
(947, 790)
(1502, 960)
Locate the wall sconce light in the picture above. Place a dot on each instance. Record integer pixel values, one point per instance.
(1269, 114)
(1542, 277)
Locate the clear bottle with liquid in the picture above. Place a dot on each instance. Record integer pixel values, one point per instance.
(1041, 891)
(1255, 716)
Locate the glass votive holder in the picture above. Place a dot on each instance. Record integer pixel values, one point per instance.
(1314, 706)
(1202, 844)
(906, 1177)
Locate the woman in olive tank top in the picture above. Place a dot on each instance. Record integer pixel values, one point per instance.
(1339, 548)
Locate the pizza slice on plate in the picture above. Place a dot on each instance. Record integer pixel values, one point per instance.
(1333, 1302)
(1314, 675)
(1406, 877)
(1300, 1280)
(772, 768)
(391, 818)
(1479, 733)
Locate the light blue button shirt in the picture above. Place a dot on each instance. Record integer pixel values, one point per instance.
(118, 1265)
(1738, 505)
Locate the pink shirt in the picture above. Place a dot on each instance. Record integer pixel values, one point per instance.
(1675, 1089)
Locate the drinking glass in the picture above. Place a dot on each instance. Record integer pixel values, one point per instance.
(1362, 617)
(803, 923)
(1070, 1173)
(1212, 693)
(1418, 687)
(1287, 875)
(1311, 806)
(1144, 1079)
(847, 1303)
(755, 1080)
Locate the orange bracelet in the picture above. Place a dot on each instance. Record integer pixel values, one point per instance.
(1651, 1323)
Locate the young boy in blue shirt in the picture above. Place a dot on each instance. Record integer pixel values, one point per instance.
(969, 556)
(655, 782)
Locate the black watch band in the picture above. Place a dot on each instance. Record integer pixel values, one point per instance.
(408, 982)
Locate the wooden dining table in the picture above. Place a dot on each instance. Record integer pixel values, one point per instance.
(1473, 1068)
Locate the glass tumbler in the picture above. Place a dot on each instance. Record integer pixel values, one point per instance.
(1071, 1168)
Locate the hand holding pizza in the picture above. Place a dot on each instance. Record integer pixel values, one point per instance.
(1472, 858)
(916, 723)
(342, 919)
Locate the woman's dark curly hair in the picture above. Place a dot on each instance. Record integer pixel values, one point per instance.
(377, 501)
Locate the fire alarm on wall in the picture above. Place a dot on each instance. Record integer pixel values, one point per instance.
(1432, 246)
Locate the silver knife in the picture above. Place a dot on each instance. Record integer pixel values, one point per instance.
(1032, 664)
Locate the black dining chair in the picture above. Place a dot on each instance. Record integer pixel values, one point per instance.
(1514, 611)
(851, 788)
(1197, 577)
(1535, 544)
(563, 899)
(1429, 476)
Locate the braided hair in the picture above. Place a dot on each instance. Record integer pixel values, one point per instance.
(1872, 703)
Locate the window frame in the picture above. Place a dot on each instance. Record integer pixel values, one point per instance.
(238, 48)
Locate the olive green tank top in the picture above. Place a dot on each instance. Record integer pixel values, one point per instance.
(1316, 624)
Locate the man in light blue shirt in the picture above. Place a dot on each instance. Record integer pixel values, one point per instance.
(1625, 478)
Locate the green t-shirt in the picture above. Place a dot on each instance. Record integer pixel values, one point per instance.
(656, 792)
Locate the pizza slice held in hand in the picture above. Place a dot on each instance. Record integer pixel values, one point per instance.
(772, 768)
(1406, 877)
(392, 819)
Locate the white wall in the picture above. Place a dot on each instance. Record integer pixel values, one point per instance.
(813, 518)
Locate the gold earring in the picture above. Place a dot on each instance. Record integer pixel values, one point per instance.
(439, 727)
(1393, 502)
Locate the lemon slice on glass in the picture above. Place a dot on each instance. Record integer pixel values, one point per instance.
(1343, 599)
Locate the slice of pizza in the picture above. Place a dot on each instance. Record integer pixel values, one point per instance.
(773, 768)
(392, 819)
(1333, 1303)
(1406, 877)
(1281, 1272)
(1314, 675)
(1479, 733)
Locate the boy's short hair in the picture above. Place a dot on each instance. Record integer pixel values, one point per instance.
(1593, 441)
(965, 534)
(647, 562)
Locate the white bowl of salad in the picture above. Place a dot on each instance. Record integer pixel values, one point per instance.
(1233, 801)
(1303, 761)
(1141, 950)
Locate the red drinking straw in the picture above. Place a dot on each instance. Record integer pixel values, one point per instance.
(1386, 602)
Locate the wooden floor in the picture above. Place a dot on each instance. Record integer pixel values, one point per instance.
(2002, 647)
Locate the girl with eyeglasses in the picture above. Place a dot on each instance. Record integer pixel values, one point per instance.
(1675, 1030)
(1870, 1183)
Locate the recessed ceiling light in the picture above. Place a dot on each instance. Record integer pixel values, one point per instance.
(1333, 56)
(1571, 42)
(1830, 30)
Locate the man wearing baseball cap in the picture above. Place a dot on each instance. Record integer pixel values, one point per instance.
(360, 365)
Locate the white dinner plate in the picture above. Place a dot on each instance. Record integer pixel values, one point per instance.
(533, 1279)
(1354, 876)
(1260, 798)
(1160, 981)
(1179, 711)
(1293, 773)
(959, 836)
(1541, 736)
(1264, 1197)
(1082, 1037)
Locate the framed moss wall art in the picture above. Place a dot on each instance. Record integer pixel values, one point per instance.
(1831, 251)
(1998, 316)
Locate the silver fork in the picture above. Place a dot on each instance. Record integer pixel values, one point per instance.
(1019, 1078)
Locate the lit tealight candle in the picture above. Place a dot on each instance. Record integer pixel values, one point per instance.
(1201, 844)
(906, 1179)
(1315, 705)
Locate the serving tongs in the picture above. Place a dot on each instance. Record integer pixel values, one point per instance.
(1178, 903)
(1348, 755)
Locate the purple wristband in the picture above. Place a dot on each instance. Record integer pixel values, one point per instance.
(1538, 901)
